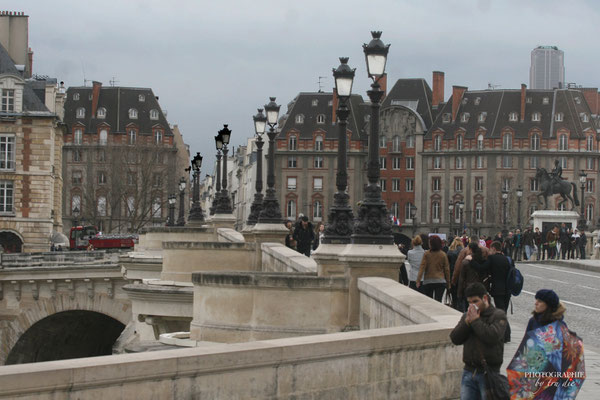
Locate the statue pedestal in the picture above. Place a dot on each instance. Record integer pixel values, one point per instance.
(546, 219)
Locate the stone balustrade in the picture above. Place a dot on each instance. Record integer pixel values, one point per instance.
(276, 257)
(56, 258)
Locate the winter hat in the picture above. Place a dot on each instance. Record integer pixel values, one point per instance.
(549, 297)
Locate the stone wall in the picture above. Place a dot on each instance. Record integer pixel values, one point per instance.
(276, 257)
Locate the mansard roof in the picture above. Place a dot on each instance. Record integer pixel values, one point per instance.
(117, 101)
(499, 104)
(414, 94)
(311, 105)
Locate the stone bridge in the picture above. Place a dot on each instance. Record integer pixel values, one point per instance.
(60, 305)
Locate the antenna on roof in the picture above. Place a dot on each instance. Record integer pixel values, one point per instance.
(85, 81)
(320, 84)
(113, 81)
(492, 87)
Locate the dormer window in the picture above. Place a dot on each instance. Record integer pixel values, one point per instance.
(559, 117)
(292, 143)
(154, 114)
(132, 136)
(437, 143)
(80, 113)
(459, 142)
(480, 142)
(482, 117)
(321, 119)
(8, 100)
(75, 96)
(300, 118)
(465, 101)
(528, 100)
(512, 117)
(133, 114)
(464, 117)
(315, 102)
(158, 136)
(141, 98)
(536, 117)
(319, 143)
(545, 100)
(584, 117)
(330, 103)
(477, 101)
(577, 100)
(101, 113)
(446, 118)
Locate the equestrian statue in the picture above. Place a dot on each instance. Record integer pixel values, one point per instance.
(553, 183)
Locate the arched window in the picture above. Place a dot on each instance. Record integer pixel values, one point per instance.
(480, 142)
(103, 139)
(507, 141)
(396, 143)
(319, 143)
(435, 210)
(75, 96)
(589, 213)
(78, 136)
(535, 141)
(80, 113)
(437, 143)
(410, 141)
(317, 210)
(158, 136)
(590, 143)
(133, 114)
(132, 136)
(156, 208)
(321, 119)
(563, 142)
(459, 163)
(478, 212)
(291, 209)
(459, 142)
(141, 98)
(75, 204)
(154, 114)
(102, 206)
(101, 113)
(300, 118)
(292, 143)
(382, 142)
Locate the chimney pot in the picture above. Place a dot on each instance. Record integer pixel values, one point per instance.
(438, 88)
(457, 94)
(523, 95)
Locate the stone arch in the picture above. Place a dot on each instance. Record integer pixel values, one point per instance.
(12, 241)
(44, 307)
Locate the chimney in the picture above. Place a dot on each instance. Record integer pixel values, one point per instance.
(457, 94)
(591, 96)
(334, 107)
(95, 96)
(523, 94)
(29, 70)
(438, 88)
(383, 84)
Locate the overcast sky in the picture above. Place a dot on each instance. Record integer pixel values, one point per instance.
(215, 62)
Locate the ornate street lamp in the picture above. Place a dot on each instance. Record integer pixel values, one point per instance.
(224, 204)
(271, 214)
(260, 123)
(504, 210)
(413, 217)
(196, 214)
(450, 216)
(519, 196)
(76, 213)
(171, 218)
(373, 225)
(582, 181)
(217, 197)
(181, 220)
(339, 228)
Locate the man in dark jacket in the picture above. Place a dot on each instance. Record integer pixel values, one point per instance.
(481, 332)
(304, 236)
(582, 243)
(528, 242)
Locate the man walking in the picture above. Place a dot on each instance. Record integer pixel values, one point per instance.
(481, 332)
(528, 243)
(304, 236)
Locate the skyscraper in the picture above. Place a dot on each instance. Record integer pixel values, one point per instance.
(547, 68)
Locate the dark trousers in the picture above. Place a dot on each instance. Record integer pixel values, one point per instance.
(517, 253)
(564, 251)
(434, 290)
(403, 275)
(501, 303)
(582, 252)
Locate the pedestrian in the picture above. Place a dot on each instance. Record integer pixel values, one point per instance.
(552, 239)
(574, 245)
(466, 251)
(474, 269)
(537, 241)
(455, 248)
(481, 332)
(517, 246)
(425, 241)
(289, 237)
(582, 243)
(435, 270)
(414, 257)
(564, 240)
(547, 309)
(319, 234)
(507, 245)
(528, 243)
(304, 236)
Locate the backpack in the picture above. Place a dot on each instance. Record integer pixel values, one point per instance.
(514, 280)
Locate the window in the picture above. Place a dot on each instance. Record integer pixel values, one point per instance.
(132, 136)
(563, 142)
(435, 210)
(158, 157)
(157, 179)
(291, 183)
(479, 162)
(7, 152)
(154, 114)
(396, 163)
(75, 204)
(458, 184)
(478, 212)
(410, 185)
(584, 117)
(512, 117)
(319, 143)
(437, 162)
(156, 208)
(446, 118)
(130, 206)
(480, 142)
(382, 142)
(395, 209)
(101, 206)
(315, 102)
(507, 161)
(559, 117)
(535, 141)
(318, 162)
(300, 119)
(437, 143)
(78, 136)
(459, 142)
(506, 184)
(577, 100)
(436, 184)
(590, 163)
(77, 155)
(477, 101)
(101, 113)
(75, 96)
(141, 98)
(533, 162)
(133, 114)
(590, 143)
(562, 207)
(410, 163)
(396, 143)
(589, 186)
(410, 141)
(528, 100)
(131, 178)
(507, 141)
(76, 178)
(158, 137)
(321, 119)
(383, 185)
(589, 213)
(291, 209)
(318, 184)
(479, 184)
(533, 185)
(545, 100)
(101, 155)
(80, 113)
(464, 117)
(292, 143)
(563, 162)
(292, 163)
(395, 185)
(6, 196)
(533, 208)
(408, 207)
(317, 210)
(382, 163)
(458, 162)
(101, 178)
(8, 100)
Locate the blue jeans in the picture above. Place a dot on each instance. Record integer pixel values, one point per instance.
(472, 386)
(528, 251)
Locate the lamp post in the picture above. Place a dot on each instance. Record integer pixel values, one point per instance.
(217, 198)
(339, 228)
(504, 210)
(461, 207)
(271, 213)
(413, 217)
(171, 218)
(519, 196)
(76, 216)
(260, 122)
(181, 220)
(373, 224)
(450, 209)
(582, 180)
(224, 203)
(196, 214)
